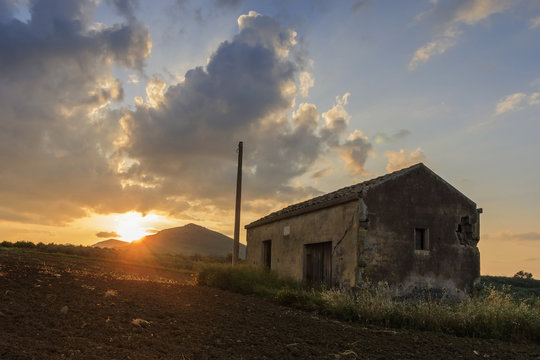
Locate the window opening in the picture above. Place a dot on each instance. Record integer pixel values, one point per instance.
(420, 238)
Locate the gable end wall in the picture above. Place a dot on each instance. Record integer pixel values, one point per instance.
(420, 199)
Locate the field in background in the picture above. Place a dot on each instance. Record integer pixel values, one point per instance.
(191, 263)
(527, 290)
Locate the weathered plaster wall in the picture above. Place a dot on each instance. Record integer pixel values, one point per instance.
(337, 224)
(418, 199)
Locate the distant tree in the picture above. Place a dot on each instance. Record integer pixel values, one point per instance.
(523, 275)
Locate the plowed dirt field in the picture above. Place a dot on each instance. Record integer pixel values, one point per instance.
(59, 307)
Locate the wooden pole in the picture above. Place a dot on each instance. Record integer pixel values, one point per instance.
(236, 241)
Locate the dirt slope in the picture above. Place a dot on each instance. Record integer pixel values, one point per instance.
(54, 307)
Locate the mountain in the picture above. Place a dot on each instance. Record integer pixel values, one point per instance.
(111, 243)
(189, 240)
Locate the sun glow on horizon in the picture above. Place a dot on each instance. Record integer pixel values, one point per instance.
(133, 226)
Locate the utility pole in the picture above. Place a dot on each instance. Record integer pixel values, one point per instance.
(236, 241)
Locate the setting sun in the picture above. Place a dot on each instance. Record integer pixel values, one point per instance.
(132, 226)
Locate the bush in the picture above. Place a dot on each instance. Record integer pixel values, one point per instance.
(523, 275)
(242, 278)
(24, 244)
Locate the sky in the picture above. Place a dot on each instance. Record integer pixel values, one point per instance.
(119, 118)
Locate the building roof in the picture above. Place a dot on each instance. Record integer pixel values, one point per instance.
(343, 195)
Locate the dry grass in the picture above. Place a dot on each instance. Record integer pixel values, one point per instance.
(490, 314)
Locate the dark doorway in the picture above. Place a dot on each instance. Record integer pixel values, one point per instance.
(318, 263)
(267, 253)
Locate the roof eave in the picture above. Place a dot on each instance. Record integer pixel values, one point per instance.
(320, 206)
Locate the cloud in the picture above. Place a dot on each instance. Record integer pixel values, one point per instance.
(360, 5)
(107, 234)
(535, 22)
(133, 79)
(385, 138)
(7, 9)
(435, 47)
(319, 174)
(534, 98)
(524, 238)
(516, 102)
(355, 152)
(450, 16)
(510, 102)
(67, 152)
(181, 141)
(307, 81)
(125, 8)
(57, 80)
(336, 121)
(401, 159)
(530, 236)
(231, 4)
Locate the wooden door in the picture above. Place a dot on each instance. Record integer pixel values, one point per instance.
(318, 263)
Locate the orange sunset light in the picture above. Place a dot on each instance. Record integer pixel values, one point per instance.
(133, 226)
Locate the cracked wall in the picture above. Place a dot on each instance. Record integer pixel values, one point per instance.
(420, 200)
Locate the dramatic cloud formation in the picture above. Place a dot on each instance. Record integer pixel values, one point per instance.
(516, 101)
(56, 81)
(401, 159)
(66, 152)
(180, 140)
(451, 15)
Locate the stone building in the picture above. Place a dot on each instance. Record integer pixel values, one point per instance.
(409, 228)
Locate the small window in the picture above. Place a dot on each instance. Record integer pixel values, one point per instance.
(421, 239)
(267, 253)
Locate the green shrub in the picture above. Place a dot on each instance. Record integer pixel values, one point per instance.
(241, 278)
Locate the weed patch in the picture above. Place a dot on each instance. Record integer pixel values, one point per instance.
(492, 313)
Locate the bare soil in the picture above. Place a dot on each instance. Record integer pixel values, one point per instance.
(59, 307)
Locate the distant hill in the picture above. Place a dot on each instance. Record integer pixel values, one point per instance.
(189, 240)
(111, 243)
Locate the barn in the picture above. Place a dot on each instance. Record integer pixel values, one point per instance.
(410, 229)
